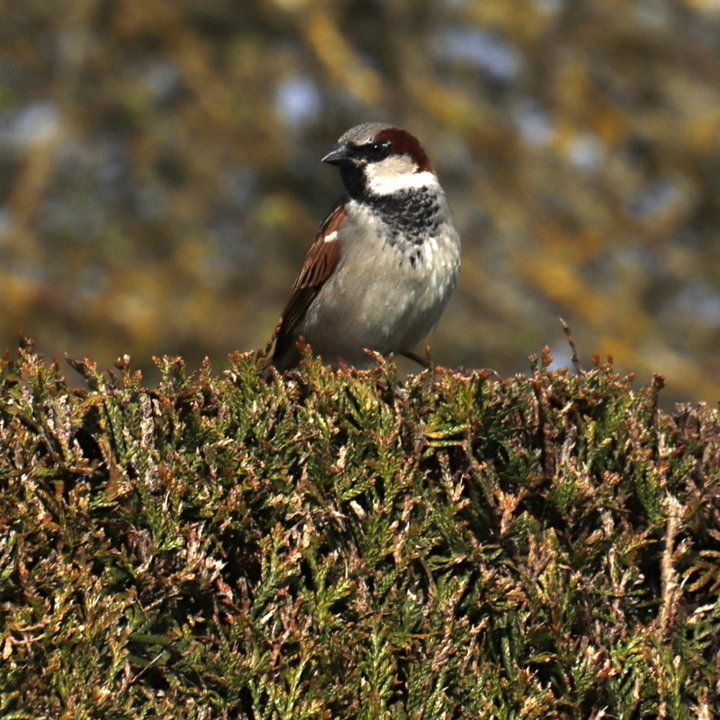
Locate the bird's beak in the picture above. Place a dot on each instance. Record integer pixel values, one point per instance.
(338, 155)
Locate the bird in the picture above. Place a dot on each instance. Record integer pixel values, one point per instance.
(384, 262)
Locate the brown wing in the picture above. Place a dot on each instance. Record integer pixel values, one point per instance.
(319, 263)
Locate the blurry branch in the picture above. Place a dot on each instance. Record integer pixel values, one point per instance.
(340, 61)
(626, 331)
(36, 173)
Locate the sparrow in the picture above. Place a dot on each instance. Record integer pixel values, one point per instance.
(384, 261)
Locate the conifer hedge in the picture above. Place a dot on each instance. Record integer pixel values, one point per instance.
(345, 545)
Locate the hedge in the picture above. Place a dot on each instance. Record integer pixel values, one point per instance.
(344, 544)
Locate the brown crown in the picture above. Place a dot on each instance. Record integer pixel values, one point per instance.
(403, 143)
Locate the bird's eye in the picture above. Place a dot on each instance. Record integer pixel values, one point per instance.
(377, 150)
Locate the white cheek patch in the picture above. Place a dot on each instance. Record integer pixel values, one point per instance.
(396, 174)
(388, 184)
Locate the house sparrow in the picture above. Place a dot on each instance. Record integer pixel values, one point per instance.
(385, 260)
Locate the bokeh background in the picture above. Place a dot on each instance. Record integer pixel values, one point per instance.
(160, 177)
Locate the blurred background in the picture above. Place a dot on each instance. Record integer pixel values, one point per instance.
(160, 178)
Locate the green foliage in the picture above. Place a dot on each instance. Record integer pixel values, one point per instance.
(341, 545)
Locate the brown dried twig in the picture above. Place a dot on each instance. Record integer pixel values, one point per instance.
(571, 341)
